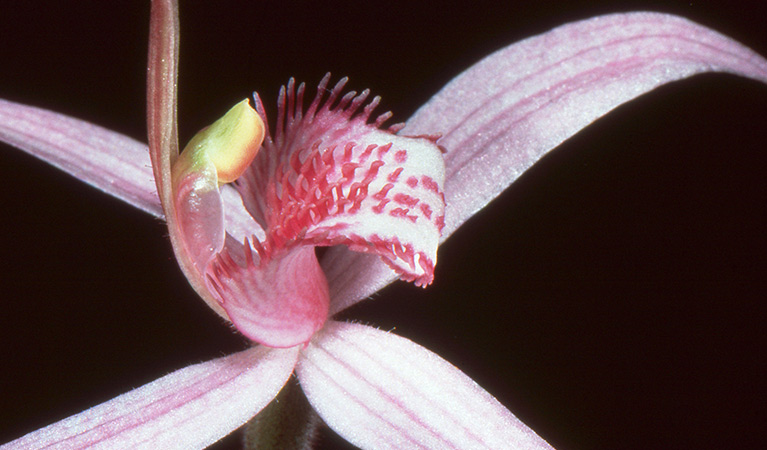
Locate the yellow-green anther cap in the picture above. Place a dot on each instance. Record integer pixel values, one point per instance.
(229, 144)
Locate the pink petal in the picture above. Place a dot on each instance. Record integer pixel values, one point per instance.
(279, 302)
(190, 408)
(379, 390)
(353, 276)
(505, 112)
(111, 162)
(331, 176)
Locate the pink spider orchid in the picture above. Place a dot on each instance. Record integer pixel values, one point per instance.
(535, 94)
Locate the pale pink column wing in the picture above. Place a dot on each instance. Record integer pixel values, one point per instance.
(381, 391)
(109, 161)
(189, 409)
(505, 112)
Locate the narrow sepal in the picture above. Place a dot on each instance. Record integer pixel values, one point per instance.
(504, 113)
(380, 391)
(188, 409)
(108, 161)
(162, 80)
(111, 162)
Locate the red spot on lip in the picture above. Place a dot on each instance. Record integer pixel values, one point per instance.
(440, 223)
(348, 151)
(380, 195)
(347, 171)
(426, 210)
(404, 199)
(379, 208)
(366, 154)
(384, 150)
(343, 164)
(373, 171)
(430, 184)
(394, 176)
(403, 213)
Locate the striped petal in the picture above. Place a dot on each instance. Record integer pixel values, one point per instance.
(110, 162)
(504, 113)
(353, 277)
(188, 409)
(279, 302)
(382, 391)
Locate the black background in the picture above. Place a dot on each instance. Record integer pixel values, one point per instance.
(614, 297)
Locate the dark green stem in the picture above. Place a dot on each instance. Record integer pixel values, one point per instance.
(289, 422)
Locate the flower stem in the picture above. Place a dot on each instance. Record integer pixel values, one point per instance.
(289, 422)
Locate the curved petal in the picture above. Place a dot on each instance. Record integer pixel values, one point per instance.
(190, 408)
(505, 112)
(330, 175)
(353, 276)
(278, 301)
(109, 161)
(379, 390)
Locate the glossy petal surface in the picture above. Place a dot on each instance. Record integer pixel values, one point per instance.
(380, 391)
(188, 409)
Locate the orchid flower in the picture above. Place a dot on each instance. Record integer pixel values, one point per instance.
(531, 96)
